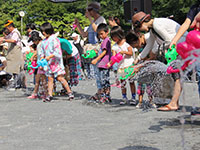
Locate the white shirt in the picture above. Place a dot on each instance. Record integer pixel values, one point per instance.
(128, 60)
(74, 49)
(15, 35)
(165, 28)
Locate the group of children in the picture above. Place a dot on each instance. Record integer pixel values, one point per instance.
(50, 49)
(55, 50)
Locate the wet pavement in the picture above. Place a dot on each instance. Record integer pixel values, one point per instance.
(80, 125)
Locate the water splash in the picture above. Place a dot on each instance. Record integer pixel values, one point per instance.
(154, 73)
(194, 61)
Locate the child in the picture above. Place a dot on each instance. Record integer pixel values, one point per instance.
(53, 54)
(140, 41)
(74, 64)
(40, 76)
(117, 34)
(102, 59)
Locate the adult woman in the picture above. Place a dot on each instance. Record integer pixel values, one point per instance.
(162, 30)
(92, 13)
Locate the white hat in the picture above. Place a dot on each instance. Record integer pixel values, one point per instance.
(74, 35)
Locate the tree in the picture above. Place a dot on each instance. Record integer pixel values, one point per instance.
(178, 8)
(62, 15)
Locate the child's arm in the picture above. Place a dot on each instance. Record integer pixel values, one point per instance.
(94, 61)
(33, 56)
(137, 68)
(129, 53)
(49, 57)
(110, 62)
(113, 52)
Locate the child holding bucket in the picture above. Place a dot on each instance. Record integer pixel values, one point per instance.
(102, 59)
(117, 35)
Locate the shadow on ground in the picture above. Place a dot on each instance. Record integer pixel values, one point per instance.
(190, 122)
(138, 148)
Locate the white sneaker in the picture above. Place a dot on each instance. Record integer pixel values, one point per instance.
(132, 102)
(124, 101)
(152, 105)
(139, 105)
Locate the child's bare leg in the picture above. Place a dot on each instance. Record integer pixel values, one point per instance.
(44, 84)
(124, 96)
(140, 99)
(132, 86)
(123, 86)
(50, 85)
(37, 84)
(64, 83)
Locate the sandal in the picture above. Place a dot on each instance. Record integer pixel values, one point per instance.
(48, 99)
(167, 108)
(33, 96)
(71, 96)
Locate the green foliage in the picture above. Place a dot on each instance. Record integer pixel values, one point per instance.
(177, 8)
(62, 15)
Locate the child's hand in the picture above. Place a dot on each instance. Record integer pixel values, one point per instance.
(94, 62)
(136, 69)
(108, 65)
(122, 52)
(47, 58)
(136, 61)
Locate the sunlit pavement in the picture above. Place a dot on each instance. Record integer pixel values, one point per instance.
(79, 125)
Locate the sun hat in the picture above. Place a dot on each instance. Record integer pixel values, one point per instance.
(139, 18)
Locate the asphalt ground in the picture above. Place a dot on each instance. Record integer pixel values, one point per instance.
(79, 125)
